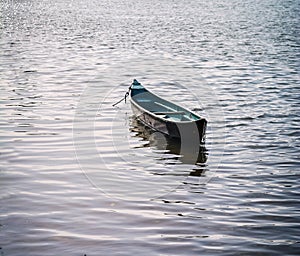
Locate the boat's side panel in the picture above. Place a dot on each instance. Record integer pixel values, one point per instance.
(192, 132)
(150, 120)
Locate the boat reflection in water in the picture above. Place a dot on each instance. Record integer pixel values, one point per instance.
(170, 148)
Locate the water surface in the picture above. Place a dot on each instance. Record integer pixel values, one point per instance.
(79, 176)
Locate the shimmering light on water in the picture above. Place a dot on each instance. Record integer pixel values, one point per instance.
(79, 176)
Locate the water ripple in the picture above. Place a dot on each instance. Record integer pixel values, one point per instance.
(63, 65)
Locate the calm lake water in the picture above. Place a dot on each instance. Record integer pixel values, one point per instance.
(80, 177)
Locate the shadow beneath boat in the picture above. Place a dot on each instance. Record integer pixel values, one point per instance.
(169, 149)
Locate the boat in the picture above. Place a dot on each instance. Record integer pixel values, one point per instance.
(166, 117)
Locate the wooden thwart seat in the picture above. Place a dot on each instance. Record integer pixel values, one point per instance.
(170, 113)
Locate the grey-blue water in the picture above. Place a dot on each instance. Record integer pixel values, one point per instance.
(80, 177)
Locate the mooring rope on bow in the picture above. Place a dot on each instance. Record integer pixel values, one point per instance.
(124, 98)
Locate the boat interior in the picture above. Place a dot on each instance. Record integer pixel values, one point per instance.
(165, 109)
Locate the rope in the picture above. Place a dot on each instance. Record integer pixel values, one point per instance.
(125, 97)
